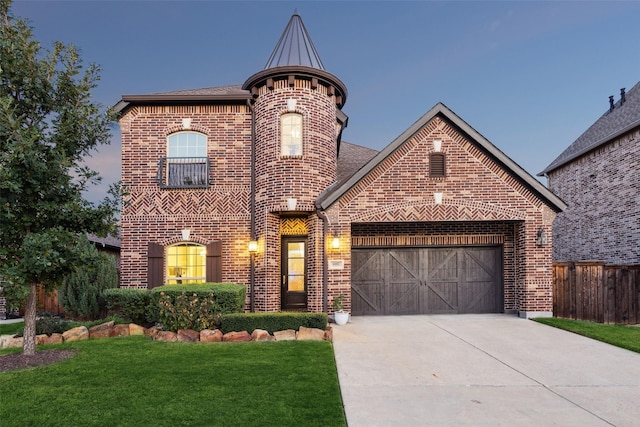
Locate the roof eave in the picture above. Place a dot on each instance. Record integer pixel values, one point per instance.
(154, 99)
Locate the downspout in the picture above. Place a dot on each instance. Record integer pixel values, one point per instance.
(252, 191)
(325, 263)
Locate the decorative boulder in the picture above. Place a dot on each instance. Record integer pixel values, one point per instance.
(236, 336)
(136, 329)
(286, 335)
(54, 339)
(188, 335)
(208, 335)
(310, 334)
(166, 336)
(261, 335)
(120, 331)
(40, 339)
(328, 334)
(80, 333)
(101, 331)
(152, 331)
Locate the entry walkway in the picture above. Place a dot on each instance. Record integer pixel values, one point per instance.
(481, 370)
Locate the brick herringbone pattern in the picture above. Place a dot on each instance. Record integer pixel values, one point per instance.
(215, 202)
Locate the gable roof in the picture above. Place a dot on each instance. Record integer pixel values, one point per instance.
(333, 193)
(615, 122)
(351, 158)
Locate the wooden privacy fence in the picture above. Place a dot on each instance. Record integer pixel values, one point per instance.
(596, 292)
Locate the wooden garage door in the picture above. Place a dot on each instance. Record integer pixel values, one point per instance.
(426, 280)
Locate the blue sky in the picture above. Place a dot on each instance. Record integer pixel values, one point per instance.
(530, 76)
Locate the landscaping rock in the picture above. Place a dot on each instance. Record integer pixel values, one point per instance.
(261, 335)
(54, 339)
(120, 331)
(208, 335)
(80, 333)
(136, 329)
(166, 336)
(286, 335)
(101, 331)
(152, 331)
(328, 334)
(310, 334)
(236, 336)
(10, 341)
(40, 339)
(188, 335)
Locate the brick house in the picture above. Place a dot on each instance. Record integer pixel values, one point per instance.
(598, 176)
(253, 184)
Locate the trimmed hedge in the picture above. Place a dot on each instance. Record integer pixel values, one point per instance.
(272, 322)
(132, 304)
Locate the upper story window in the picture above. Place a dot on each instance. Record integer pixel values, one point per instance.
(186, 263)
(437, 165)
(291, 134)
(186, 164)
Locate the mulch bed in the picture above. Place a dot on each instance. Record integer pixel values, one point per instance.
(11, 362)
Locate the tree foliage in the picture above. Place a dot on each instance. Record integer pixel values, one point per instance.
(81, 291)
(48, 123)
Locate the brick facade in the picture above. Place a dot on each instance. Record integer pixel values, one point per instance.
(602, 189)
(487, 199)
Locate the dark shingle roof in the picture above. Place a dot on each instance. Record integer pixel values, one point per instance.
(208, 91)
(609, 126)
(351, 158)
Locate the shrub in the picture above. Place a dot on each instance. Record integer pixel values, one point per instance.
(132, 304)
(48, 324)
(191, 311)
(229, 297)
(80, 293)
(272, 322)
(197, 306)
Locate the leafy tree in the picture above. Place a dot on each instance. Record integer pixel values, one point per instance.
(48, 123)
(81, 291)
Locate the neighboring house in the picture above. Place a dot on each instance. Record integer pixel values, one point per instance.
(253, 184)
(598, 177)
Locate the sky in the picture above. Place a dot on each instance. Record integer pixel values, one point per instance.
(530, 76)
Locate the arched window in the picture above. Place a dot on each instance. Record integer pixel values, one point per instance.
(437, 165)
(291, 134)
(187, 164)
(186, 263)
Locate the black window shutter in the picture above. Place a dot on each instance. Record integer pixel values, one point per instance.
(214, 262)
(155, 261)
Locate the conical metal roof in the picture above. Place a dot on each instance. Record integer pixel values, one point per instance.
(295, 47)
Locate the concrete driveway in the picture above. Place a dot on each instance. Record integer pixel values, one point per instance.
(481, 370)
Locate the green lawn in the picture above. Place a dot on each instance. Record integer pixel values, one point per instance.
(621, 336)
(136, 381)
(11, 328)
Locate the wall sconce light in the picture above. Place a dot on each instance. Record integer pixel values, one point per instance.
(541, 238)
(186, 233)
(438, 198)
(291, 104)
(253, 246)
(291, 204)
(437, 145)
(335, 242)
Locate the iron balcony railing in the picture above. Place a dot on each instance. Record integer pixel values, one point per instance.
(183, 172)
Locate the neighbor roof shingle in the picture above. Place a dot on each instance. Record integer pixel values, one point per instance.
(609, 126)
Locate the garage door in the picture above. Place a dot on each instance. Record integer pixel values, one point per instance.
(426, 280)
